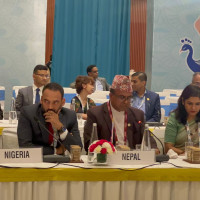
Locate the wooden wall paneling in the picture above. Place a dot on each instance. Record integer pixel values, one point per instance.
(138, 34)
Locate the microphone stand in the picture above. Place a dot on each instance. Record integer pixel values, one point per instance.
(160, 158)
(54, 158)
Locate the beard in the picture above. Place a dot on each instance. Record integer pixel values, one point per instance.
(54, 110)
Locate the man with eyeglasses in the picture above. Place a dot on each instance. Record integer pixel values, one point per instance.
(116, 120)
(100, 82)
(32, 94)
(145, 100)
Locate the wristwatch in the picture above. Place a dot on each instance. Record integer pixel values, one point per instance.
(62, 130)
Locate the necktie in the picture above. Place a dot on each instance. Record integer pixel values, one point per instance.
(50, 128)
(37, 97)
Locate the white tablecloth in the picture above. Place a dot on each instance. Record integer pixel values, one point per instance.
(162, 189)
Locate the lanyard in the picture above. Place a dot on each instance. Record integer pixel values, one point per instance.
(113, 131)
(87, 106)
(189, 132)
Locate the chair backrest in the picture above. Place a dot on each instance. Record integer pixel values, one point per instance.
(165, 104)
(99, 95)
(69, 93)
(16, 89)
(2, 96)
(162, 115)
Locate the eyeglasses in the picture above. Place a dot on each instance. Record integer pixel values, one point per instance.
(43, 76)
(124, 98)
(95, 71)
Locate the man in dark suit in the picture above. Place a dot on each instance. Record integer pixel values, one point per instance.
(60, 121)
(31, 94)
(116, 120)
(145, 100)
(100, 82)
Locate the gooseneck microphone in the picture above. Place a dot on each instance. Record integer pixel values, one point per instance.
(160, 158)
(53, 158)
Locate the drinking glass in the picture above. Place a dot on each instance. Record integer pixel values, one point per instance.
(91, 157)
(79, 118)
(138, 147)
(188, 150)
(12, 117)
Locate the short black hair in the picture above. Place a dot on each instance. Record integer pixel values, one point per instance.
(180, 112)
(39, 67)
(54, 87)
(141, 75)
(90, 67)
(195, 74)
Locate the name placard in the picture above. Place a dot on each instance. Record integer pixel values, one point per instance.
(23, 155)
(132, 157)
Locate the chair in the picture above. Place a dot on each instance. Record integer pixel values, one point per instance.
(162, 115)
(16, 89)
(165, 104)
(99, 95)
(2, 97)
(69, 93)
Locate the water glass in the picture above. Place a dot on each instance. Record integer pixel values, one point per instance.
(188, 150)
(79, 118)
(91, 157)
(138, 147)
(12, 117)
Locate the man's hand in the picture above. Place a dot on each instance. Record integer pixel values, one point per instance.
(53, 118)
(60, 149)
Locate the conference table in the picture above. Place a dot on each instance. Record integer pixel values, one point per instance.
(173, 180)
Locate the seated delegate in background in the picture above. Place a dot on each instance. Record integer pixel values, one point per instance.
(145, 100)
(84, 87)
(183, 121)
(32, 94)
(100, 83)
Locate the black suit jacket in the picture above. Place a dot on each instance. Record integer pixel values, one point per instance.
(32, 134)
(100, 115)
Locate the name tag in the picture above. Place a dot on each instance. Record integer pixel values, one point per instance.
(132, 157)
(24, 155)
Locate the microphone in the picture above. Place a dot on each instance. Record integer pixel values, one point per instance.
(157, 124)
(160, 158)
(53, 158)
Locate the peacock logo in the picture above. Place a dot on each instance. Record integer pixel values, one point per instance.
(194, 65)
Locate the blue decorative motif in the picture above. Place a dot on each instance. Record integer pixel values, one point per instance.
(194, 65)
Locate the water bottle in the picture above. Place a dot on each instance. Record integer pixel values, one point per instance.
(12, 106)
(146, 142)
(12, 112)
(73, 105)
(94, 136)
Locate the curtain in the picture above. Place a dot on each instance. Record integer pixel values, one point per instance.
(90, 32)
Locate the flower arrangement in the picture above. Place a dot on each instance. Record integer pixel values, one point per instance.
(102, 147)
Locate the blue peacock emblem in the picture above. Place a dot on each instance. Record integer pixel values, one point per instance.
(194, 65)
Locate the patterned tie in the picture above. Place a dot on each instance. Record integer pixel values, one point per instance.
(50, 128)
(37, 97)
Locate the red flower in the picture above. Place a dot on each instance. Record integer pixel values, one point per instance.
(103, 151)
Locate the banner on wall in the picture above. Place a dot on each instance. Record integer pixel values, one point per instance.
(176, 43)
